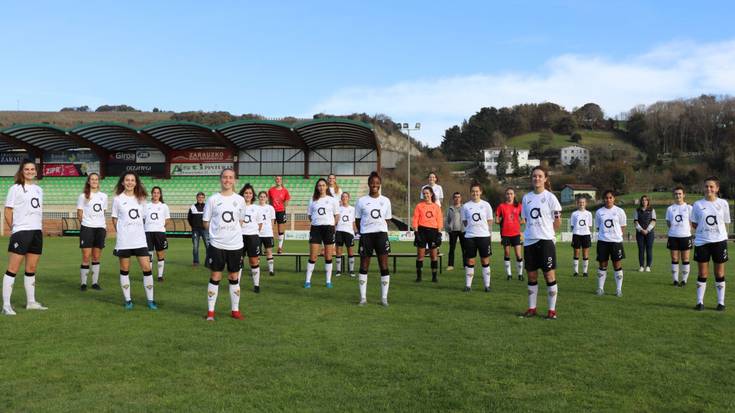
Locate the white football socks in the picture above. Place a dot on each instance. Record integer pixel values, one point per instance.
(309, 270)
(95, 273)
(552, 293)
(486, 275)
(328, 271)
(83, 271)
(212, 292)
(701, 288)
(532, 295)
(255, 274)
(384, 285)
(675, 271)
(601, 277)
(720, 285)
(234, 295)
(29, 282)
(8, 282)
(125, 284)
(362, 280)
(148, 284)
(619, 280)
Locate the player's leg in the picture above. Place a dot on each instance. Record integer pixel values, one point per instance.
(145, 265)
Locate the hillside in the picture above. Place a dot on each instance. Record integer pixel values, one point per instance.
(71, 119)
(590, 139)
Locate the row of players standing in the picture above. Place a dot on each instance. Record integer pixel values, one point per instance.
(24, 202)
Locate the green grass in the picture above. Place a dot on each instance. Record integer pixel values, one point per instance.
(434, 349)
(590, 138)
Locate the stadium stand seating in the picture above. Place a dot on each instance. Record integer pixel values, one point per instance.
(181, 190)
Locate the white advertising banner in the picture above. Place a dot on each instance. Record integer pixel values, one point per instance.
(198, 169)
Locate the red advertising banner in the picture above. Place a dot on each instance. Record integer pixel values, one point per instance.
(202, 156)
(60, 169)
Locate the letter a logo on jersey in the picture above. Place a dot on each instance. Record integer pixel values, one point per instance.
(535, 213)
(321, 211)
(97, 207)
(678, 218)
(609, 223)
(154, 216)
(429, 214)
(35, 202)
(476, 216)
(375, 213)
(711, 220)
(227, 216)
(582, 222)
(133, 213)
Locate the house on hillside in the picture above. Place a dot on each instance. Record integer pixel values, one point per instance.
(490, 159)
(570, 153)
(570, 192)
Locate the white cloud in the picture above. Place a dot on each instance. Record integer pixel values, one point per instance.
(674, 70)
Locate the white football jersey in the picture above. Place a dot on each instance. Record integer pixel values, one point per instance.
(251, 218)
(93, 210)
(373, 213)
(581, 222)
(129, 212)
(711, 219)
(679, 219)
(346, 219)
(539, 211)
(267, 215)
(156, 216)
(27, 205)
(438, 193)
(323, 210)
(224, 214)
(610, 223)
(475, 216)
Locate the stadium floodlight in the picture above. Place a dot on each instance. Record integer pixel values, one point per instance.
(408, 174)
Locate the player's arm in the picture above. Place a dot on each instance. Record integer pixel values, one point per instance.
(557, 220)
(9, 216)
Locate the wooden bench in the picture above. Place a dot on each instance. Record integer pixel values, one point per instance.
(395, 255)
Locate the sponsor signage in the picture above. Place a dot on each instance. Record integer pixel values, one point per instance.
(149, 156)
(193, 169)
(202, 156)
(151, 169)
(69, 157)
(12, 158)
(121, 157)
(141, 156)
(70, 169)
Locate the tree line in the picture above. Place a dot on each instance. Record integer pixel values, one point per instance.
(490, 127)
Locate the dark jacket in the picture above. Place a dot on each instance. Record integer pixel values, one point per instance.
(196, 212)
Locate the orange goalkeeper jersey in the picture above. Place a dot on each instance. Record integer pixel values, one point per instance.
(428, 215)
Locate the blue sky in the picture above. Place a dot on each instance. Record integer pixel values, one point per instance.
(431, 62)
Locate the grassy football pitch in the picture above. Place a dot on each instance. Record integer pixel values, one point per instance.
(434, 349)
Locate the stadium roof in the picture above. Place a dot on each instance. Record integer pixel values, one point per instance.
(331, 132)
(104, 137)
(43, 137)
(118, 137)
(252, 133)
(187, 135)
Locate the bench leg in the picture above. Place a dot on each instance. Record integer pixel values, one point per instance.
(394, 265)
(441, 264)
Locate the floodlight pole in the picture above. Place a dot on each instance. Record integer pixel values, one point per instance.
(408, 130)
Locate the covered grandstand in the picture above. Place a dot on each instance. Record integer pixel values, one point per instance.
(184, 157)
